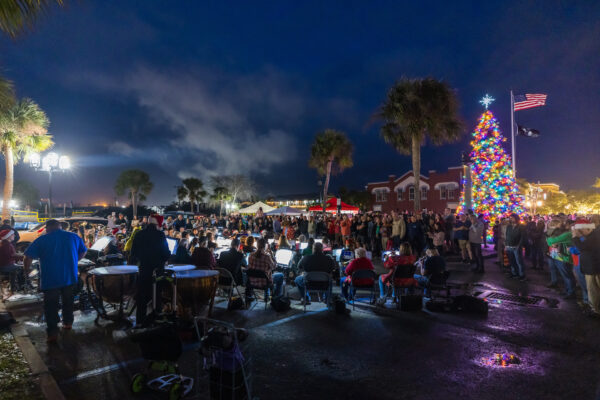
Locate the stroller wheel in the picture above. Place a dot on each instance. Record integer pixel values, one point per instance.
(137, 383)
(176, 391)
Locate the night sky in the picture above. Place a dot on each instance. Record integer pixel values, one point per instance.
(184, 88)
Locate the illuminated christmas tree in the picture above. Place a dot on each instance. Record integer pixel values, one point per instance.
(495, 192)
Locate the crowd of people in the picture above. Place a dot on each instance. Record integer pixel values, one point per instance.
(414, 249)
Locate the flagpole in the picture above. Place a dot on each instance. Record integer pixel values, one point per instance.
(512, 133)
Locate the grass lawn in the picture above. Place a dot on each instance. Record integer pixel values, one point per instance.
(16, 381)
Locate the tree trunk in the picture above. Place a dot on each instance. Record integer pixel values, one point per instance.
(8, 182)
(326, 184)
(134, 203)
(416, 166)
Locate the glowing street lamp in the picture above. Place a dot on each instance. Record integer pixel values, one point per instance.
(50, 163)
(11, 204)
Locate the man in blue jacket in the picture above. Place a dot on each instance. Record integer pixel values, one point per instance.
(59, 252)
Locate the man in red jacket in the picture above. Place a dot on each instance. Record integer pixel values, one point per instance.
(361, 262)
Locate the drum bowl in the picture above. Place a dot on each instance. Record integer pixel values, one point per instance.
(114, 288)
(194, 294)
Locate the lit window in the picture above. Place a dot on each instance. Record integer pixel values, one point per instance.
(423, 193)
(442, 192)
(411, 193)
(451, 193)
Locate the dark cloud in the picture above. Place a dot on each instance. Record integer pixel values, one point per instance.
(208, 120)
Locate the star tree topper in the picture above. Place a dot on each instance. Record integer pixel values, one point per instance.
(487, 100)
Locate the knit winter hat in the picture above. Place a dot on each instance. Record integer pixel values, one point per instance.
(156, 219)
(583, 223)
(6, 233)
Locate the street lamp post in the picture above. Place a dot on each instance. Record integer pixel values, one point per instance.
(50, 163)
(536, 194)
(468, 183)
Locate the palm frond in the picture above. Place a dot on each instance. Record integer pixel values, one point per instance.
(7, 94)
(331, 145)
(32, 144)
(421, 108)
(133, 180)
(19, 15)
(182, 193)
(29, 118)
(9, 138)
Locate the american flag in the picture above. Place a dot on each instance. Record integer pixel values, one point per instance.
(529, 101)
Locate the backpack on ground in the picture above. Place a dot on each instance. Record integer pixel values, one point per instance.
(281, 303)
(338, 304)
(236, 303)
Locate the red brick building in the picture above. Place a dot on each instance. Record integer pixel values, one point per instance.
(438, 191)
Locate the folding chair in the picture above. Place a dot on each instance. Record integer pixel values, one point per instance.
(362, 274)
(227, 283)
(439, 283)
(319, 282)
(256, 273)
(404, 273)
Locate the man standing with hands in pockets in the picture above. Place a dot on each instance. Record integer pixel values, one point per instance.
(59, 252)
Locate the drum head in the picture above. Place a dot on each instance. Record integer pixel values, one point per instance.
(115, 270)
(196, 273)
(180, 267)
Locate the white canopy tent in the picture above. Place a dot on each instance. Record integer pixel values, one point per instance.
(294, 212)
(253, 209)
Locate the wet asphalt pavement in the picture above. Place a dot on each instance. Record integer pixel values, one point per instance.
(372, 353)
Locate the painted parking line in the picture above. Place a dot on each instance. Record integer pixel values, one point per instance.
(192, 346)
(291, 318)
(100, 371)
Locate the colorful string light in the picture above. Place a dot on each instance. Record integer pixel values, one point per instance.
(494, 189)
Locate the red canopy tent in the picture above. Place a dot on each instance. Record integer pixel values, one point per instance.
(331, 207)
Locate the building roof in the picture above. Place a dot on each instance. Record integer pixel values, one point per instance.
(409, 173)
(291, 197)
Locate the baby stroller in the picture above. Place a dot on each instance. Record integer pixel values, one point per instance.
(227, 373)
(161, 346)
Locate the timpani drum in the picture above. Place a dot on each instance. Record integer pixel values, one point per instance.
(179, 267)
(115, 285)
(195, 291)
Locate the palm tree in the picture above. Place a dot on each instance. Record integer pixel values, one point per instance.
(193, 189)
(23, 130)
(136, 184)
(416, 110)
(181, 194)
(220, 195)
(331, 152)
(18, 15)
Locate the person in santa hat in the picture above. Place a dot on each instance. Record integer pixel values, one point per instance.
(8, 258)
(586, 238)
(150, 251)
